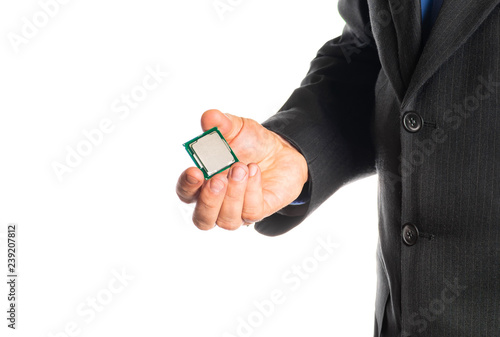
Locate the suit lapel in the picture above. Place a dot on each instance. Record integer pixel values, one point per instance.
(396, 28)
(407, 24)
(456, 22)
(384, 32)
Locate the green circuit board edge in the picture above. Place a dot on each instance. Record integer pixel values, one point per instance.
(205, 160)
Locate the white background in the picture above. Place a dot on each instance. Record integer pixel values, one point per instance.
(117, 210)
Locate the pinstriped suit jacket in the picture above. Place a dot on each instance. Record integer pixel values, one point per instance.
(439, 172)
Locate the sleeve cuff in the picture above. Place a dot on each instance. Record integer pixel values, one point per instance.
(299, 206)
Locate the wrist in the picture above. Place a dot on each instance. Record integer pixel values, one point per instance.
(301, 160)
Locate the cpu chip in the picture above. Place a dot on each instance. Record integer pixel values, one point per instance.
(210, 152)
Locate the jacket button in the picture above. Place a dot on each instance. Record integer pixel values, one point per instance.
(410, 234)
(412, 121)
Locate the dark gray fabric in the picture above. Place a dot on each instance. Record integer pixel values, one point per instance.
(346, 118)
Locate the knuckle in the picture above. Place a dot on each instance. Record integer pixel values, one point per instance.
(207, 203)
(186, 195)
(232, 196)
(202, 223)
(185, 199)
(252, 213)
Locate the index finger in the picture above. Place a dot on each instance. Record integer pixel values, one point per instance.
(189, 183)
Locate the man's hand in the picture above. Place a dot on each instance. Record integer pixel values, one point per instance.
(269, 176)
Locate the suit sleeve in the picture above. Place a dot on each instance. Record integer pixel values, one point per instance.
(328, 117)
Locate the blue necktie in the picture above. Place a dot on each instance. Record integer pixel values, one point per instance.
(430, 11)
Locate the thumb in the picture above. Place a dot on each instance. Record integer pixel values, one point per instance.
(228, 125)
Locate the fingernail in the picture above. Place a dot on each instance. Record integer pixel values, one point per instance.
(216, 185)
(252, 170)
(192, 180)
(238, 174)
